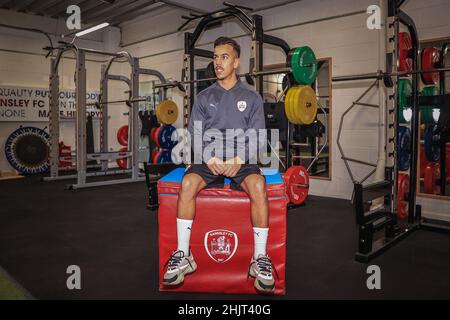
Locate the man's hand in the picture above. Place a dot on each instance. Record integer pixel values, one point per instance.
(216, 166)
(232, 167)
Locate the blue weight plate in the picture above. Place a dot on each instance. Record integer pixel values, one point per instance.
(403, 148)
(164, 157)
(165, 137)
(432, 149)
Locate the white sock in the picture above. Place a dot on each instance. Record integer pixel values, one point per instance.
(260, 236)
(184, 235)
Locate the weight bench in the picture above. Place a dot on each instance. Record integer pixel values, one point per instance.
(222, 236)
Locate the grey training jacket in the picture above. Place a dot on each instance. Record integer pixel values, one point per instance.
(240, 107)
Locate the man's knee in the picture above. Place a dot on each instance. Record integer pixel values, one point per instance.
(257, 187)
(190, 186)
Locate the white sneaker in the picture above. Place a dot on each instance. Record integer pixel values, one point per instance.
(261, 270)
(177, 267)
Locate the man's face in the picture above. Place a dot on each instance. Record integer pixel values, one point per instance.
(225, 61)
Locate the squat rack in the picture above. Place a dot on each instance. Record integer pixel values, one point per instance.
(104, 155)
(253, 23)
(370, 215)
(384, 216)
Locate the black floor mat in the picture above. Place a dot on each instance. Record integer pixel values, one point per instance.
(112, 237)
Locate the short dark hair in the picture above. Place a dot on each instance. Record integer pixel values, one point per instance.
(225, 40)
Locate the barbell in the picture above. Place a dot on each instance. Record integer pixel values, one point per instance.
(128, 102)
(430, 60)
(301, 62)
(382, 75)
(179, 84)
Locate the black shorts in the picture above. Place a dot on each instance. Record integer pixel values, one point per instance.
(213, 181)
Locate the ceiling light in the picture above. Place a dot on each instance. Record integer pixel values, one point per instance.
(92, 29)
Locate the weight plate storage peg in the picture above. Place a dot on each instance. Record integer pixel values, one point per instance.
(122, 135)
(296, 180)
(405, 46)
(404, 148)
(303, 64)
(404, 100)
(167, 112)
(428, 111)
(430, 60)
(432, 148)
(402, 199)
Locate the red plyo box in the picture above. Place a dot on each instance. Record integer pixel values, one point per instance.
(222, 235)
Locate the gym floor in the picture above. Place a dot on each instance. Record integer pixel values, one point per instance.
(111, 235)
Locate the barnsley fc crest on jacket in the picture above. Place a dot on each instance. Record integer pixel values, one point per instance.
(221, 245)
(241, 105)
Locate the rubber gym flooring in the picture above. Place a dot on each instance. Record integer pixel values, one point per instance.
(111, 235)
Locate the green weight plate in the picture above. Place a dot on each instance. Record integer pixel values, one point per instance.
(303, 64)
(427, 114)
(404, 99)
(427, 111)
(430, 91)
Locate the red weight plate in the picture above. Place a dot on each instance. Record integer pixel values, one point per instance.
(122, 135)
(64, 151)
(437, 176)
(152, 134)
(447, 165)
(402, 202)
(430, 60)
(404, 46)
(432, 174)
(423, 160)
(122, 162)
(297, 184)
(155, 136)
(156, 156)
(152, 154)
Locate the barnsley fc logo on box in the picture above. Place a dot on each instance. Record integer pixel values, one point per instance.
(221, 245)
